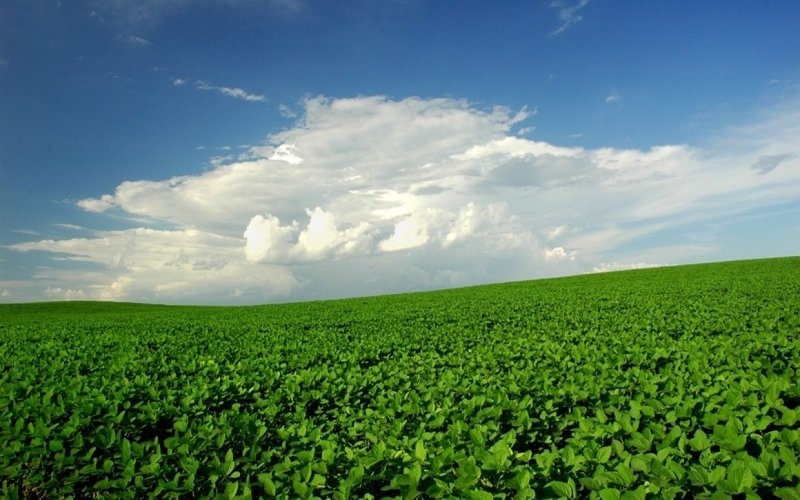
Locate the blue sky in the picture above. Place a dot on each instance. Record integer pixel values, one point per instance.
(242, 151)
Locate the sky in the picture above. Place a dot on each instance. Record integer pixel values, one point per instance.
(245, 152)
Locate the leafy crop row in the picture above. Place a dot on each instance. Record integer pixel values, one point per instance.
(667, 383)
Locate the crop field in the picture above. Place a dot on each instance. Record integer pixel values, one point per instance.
(675, 382)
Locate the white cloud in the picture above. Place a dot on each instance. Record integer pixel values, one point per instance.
(286, 111)
(767, 163)
(6, 294)
(286, 153)
(178, 82)
(101, 204)
(137, 40)
(465, 225)
(269, 241)
(619, 266)
(613, 97)
(322, 237)
(64, 294)
(372, 195)
(568, 13)
(234, 92)
(526, 130)
(158, 265)
(408, 233)
(556, 232)
(559, 253)
(72, 227)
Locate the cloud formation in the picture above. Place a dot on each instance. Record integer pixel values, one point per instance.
(767, 163)
(568, 13)
(137, 40)
(234, 92)
(373, 195)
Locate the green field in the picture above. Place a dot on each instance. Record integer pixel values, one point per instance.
(674, 382)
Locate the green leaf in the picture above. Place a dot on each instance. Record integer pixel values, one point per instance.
(478, 495)
(180, 425)
(520, 480)
(306, 456)
(591, 483)
(773, 393)
(467, 475)
(788, 493)
(603, 454)
(501, 453)
(757, 468)
(671, 492)
(266, 481)
(716, 475)
(231, 489)
(698, 475)
(625, 474)
(355, 475)
(545, 459)
(125, 450)
(640, 463)
(619, 449)
(415, 473)
(637, 494)
(420, 453)
(477, 437)
(788, 417)
(609, 494)
(298, 486)
(699, 441)
(740, 478)
(562, 489)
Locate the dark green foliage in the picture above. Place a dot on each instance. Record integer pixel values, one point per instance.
(665, 383)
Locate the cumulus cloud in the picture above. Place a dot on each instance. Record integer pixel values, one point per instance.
(374, 195)
(286, 153)
(157, 265)
(269, 241)
(408, 233)
(98, 205)
(559, 253)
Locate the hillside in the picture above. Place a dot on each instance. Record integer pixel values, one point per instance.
(677, 382)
